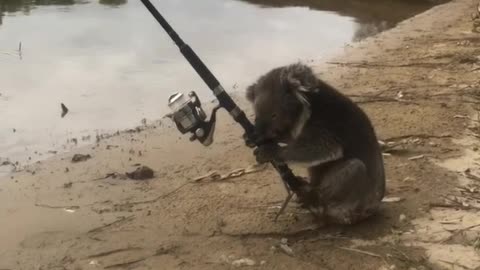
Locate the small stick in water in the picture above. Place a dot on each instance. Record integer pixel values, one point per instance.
(20, 50)
(64, 110)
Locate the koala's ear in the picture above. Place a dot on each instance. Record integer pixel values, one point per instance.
(299, 77)
(294, 83)
(250, 92)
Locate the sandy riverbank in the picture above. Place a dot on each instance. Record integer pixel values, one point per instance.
(418, 82)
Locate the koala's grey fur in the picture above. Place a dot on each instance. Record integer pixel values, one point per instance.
(328, 131)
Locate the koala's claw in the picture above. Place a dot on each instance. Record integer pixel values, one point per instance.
(267, 153)
(306, 195)
(248, 141)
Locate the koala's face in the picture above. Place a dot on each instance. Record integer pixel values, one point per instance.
(276, 107)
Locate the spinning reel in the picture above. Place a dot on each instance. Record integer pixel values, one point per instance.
(189, 116)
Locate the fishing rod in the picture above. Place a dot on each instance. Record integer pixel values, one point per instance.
(189, 116)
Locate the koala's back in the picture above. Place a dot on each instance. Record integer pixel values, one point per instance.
(348, 124)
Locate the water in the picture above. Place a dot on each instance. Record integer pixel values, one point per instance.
(112, 64)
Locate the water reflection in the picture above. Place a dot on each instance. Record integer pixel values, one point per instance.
(113, 2)
(114, 66)
(372, 16)
(25, 6)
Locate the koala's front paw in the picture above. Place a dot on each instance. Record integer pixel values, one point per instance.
(267, 153)
(248, 141)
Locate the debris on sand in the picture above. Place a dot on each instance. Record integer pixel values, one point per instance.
(6, 163)
(392, 199)
(80, 157)
(9, 163)
(416, 157)
(64, 110)
(141, 173)
(286, 249)
(243, 262)
(476, 20)
(359, 251)
(113, 175)
(93, 262)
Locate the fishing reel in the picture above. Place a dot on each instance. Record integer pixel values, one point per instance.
(189, 117)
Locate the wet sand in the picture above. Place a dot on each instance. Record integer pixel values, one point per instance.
(418, 82)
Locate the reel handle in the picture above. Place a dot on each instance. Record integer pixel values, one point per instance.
(196, 101)
(204, 133)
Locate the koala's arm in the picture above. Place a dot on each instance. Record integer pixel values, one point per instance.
(313, 149)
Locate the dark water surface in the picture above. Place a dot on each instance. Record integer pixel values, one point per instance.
(112, 65)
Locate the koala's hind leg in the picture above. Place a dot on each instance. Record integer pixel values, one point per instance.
(346, 194)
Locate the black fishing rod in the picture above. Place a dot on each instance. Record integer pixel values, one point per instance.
(189, 116)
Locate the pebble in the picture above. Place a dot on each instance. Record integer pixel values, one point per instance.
(286, 249)
(141, 173)
(80, 157)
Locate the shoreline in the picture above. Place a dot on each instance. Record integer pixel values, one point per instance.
(416, 82)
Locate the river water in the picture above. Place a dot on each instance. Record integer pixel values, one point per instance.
(112, 65)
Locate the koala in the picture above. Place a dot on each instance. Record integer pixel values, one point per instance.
(325, 130)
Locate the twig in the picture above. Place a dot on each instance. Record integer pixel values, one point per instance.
(123, 219)
(294, 234)
(454, 200)
(106, 253)
(420, 135)
(459, 232)
(126, 263)
(456, 204)
(108, 175)
(455, 264)
(443, 205)
(284, 205)
(404, 256)
(382, 65)
(416, 157)
(471, 39)
(326, 237)
(368, 95)
(361, 252)
(20, 53)
(469, 175)
(385, 100)
(57, 206)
